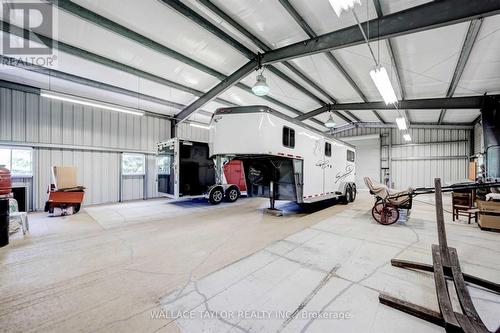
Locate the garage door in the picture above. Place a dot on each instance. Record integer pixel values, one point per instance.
(367, 157)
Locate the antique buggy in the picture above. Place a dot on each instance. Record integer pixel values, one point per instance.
(388, 202)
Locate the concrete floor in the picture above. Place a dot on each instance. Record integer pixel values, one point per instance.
(230, 268)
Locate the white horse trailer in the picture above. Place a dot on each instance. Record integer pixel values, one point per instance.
(283, 159)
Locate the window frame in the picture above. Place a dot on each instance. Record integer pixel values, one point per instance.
(290, 137)
(9, 166)
(133, 173)
(328, 149)
(353, 156)
(167, 172)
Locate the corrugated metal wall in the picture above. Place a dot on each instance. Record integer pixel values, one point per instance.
(432, 153)
(187, 132)
(478, 139)
(63, 133)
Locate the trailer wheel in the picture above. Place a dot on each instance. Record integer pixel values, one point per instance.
(347, 197)
(216, 196)
(232, 194)
(353, 193)
(76, 208)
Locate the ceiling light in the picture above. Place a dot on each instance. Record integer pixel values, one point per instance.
(198, 125)
(260, 87)
(384, 86)
(330, 123)
(401, 121)
(88, 102)
(407, 137)
(343, 5)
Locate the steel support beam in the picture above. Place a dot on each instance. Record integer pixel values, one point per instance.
(66, 48)
(105, 23)
(255, 40)
(216, 31)
(394, 61)
(310, 32)
(218, 89)
(469, 102)
(470, 39)
(430, 15)
(392, 125)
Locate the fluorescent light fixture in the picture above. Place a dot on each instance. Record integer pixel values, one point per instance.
(343, 5)
(260, 87)
(401, 121)
(198, 125)
(407, 137)
(330, 123)
(88, 102)
(384, 86)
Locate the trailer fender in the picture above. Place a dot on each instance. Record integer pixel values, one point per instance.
(343, 187)
(215, 194)
(232, 193)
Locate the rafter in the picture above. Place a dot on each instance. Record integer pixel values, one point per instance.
(120, 30)
(469, 102)
(260, 44)
(430, 15)
(424, 17)
(310, 32)
(470, 39)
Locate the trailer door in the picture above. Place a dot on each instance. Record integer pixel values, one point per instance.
(167, 171)
(298, 172)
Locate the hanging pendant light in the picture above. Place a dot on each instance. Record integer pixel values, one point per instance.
(330, 123)
(260, 88)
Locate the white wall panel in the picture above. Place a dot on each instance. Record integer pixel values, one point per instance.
(187, 132)
(432, 153)
(89, 138)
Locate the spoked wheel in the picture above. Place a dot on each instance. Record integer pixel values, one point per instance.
(385, 214)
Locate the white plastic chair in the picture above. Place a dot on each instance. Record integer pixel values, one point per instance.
(15, 216)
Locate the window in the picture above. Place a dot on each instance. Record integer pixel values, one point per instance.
(164, 164)
(133, 164)
(328, 149)
(18, 161)
(288, 137)
(350, 156)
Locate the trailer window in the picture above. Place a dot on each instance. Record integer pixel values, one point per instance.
(350, 156)
(328, 149)
(288, 137)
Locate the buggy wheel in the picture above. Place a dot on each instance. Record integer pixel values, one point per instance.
(385, 214)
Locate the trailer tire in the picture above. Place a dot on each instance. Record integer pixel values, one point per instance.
(216, 195)
(353, 193)
(347, 197)
(232, 194)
